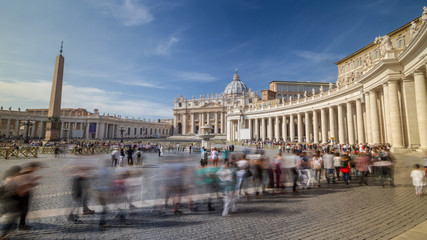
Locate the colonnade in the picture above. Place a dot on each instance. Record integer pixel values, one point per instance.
(190, 123)
(393, 111)
(15, 126)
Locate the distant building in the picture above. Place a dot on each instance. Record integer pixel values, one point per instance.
(79, 123)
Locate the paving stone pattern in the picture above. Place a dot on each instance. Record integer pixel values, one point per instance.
(330, 212)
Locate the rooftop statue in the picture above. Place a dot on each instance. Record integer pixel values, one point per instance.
(424, 15)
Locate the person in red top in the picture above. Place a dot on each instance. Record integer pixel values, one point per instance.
(345, 168)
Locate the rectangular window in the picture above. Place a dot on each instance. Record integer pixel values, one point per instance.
(140, 131)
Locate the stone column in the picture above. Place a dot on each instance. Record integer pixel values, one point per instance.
(284, 129)
(8, 128)
(87, 131)
(24, 134)
(70, 129)
(387, 113)
(192, 123)
(61, 132)
(315, 128)
(228, 130)
(276, 128)
(375, 127)
(250, 129)
(421, 102)
(396, 123)
(341, 130)
(216, 123)
(360, 125)
(368, 118)
(323, 125)
(291, 128)
(239, 126)
(202, 122)
(256, 129)
(307, 127)
(263, 132)
(184, 124)
(34, 129)
(208, 118)
(17, 126)
(332, 123)
(270, 128)
(223, 129)
(350, 123)
(411, 118)
(300, 127)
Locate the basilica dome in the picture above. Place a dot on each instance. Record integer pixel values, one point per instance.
(236, 86)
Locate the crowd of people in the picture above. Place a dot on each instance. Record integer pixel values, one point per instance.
(117, 184)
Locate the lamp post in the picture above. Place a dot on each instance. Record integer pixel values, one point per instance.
(27, 123)
(122, 130)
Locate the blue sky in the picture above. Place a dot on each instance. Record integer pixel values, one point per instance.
(131, 57)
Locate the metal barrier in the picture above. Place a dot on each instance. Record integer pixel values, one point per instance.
(7, 152)
(91, 150)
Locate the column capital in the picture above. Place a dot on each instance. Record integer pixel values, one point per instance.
(407, 79)
(393, 80)
(419, 72)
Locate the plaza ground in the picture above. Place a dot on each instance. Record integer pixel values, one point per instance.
(330, 212)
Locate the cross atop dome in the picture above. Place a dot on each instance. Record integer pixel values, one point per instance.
(236, 76)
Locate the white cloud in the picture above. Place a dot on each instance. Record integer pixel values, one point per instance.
(141, 83)
(164, 47)
(197, 77)
(130, 12)
(36, 94)
(318, 57)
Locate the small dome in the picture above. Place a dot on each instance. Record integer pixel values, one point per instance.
(236, 86)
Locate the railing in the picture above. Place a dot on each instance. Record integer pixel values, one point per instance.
(7, 152)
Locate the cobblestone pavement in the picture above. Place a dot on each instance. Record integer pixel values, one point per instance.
(330, 212)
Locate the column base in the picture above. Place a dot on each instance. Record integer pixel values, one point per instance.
(399, 149)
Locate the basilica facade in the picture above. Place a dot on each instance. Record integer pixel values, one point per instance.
(380, 96)
(189, 115)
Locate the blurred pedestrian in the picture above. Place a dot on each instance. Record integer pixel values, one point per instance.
(122, 156)
(129, 152)
(115, 155)
(417, 176)
(362, 164)
(138, 156)
(214, 157)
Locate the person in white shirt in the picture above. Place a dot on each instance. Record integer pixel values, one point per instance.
(328, 165)
(417, 176)
(214, 157)
(115, 155)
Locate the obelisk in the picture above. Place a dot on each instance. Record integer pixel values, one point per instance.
(53, 122)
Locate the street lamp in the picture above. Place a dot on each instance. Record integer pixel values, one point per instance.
(27, 123)
(122, 130)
